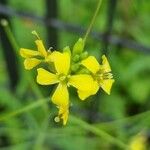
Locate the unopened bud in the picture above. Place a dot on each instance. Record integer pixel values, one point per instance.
(78, 47)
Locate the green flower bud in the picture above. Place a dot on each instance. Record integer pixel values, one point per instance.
(78, 47)
(76, 58)
(84, 71)
(67, 49)
(75, 67)
(84, 55)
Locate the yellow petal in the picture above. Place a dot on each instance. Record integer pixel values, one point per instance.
(91, 64)
(138, 142)
(61, 95)
(30, 63)
(61, 62)
(85, 94)
(27, 53)
(82, 82)
(41, 47)
(44, 77)
(106, 85)
(105, 64)
(62, 114)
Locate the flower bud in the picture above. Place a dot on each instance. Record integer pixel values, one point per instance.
(84, 55)
(67, 49)
(78, 47)
(76, 58)
(75, 67)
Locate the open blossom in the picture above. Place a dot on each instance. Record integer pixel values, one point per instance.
(101, 74)
(66, 69)
(35, 57)
(82, 82)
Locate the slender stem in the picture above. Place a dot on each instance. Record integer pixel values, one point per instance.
(98, 132)
(10, 36)
(75, 120)
(16, 47)
(42, 134)
(93, 20)
(24, 109)
(127, 119)
(34, 86)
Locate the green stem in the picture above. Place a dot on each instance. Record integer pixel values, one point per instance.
(11, 39)
(93, 20)
(16, 47)
(24, 109)
(34, 86)
(127, 119)
(42, 134)
(98, 132)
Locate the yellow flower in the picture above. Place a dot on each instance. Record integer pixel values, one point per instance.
(62, 114)
(32, 57)
(101, 73)
(62, 76)
(138, 142)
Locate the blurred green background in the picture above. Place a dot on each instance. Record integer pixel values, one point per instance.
(33, 127)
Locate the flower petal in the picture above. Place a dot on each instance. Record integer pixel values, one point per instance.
(27, 53)
(61, 95)
(44, 77)
(138, 142)
(30, 63)
(82, 82)
(62, 114)
(41, 47)
(106, 85)
(105, 64)
(91, 64)
(85, 94)
(61, 62)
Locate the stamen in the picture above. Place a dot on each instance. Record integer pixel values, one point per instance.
(57, 119)
(4, 22)
(63, 78)
(36, 34)
(107, 75)
(49, 50)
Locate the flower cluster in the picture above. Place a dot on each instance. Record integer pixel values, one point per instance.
(68, 68)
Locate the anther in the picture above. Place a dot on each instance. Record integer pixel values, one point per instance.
(57, 119)
(36, 34)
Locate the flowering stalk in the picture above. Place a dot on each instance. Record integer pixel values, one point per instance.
(72, 67)
(93, 19)
(68, 68)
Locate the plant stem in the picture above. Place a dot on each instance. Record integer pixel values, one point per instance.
(98, 132)
(24, 109)
(34, 86)
(93, 20)
(126, 119)
(25, 74)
